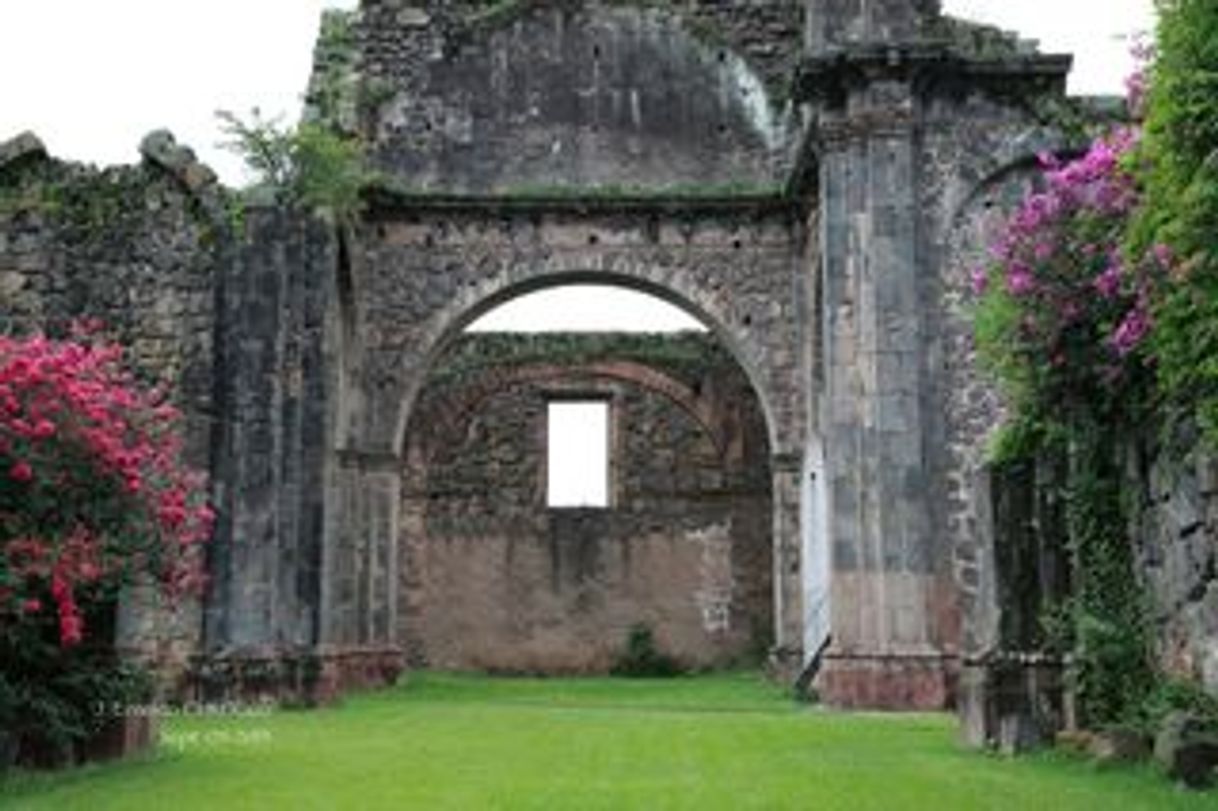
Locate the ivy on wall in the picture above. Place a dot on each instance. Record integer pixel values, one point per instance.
(1181, 173)
(1099, 316)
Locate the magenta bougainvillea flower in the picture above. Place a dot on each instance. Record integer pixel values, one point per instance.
(94, 490)
(1075, 311)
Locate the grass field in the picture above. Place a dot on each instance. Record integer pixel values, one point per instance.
(463, 742)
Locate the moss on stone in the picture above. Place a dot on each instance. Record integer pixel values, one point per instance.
(613, 191)
(687, 356)
(336, 93)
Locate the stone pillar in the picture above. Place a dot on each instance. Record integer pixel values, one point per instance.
(267, 476)
(260, 613)
(359, 604)
(788, 585)
(888, 597)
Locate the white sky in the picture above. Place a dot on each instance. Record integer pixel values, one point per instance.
(92, 77)
(577, 466)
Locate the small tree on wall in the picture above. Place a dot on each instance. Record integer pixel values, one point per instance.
(309, 166)
(94, 496)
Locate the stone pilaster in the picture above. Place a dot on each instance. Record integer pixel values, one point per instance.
(887, 595)
(788, 583)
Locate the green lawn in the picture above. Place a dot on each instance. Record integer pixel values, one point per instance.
(463, 742)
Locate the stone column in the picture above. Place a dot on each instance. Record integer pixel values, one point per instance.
(887, 597)
(359, 605)
(269, 457)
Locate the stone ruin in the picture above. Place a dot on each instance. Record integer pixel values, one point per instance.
(813, 179)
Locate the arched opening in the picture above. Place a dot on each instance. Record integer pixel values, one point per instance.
(497, 574)
(671, 307)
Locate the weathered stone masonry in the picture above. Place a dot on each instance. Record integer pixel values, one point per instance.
(492, 579)
(813, 179)
(140, 249)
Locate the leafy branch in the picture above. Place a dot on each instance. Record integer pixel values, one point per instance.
(308, 166)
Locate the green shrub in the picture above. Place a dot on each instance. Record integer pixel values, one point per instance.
(1173, 695)
(641, 658)
(54, 699)
(1181, 158)
(310, 166)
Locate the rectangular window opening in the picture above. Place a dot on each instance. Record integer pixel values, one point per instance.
(577, 454)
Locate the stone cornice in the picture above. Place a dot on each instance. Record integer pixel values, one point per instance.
(387, 203)
(828, 77)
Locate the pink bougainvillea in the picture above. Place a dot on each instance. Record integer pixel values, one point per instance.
(1064, 303)
(94, 491)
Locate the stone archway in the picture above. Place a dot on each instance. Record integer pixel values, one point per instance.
(421, 272)
(827, 266)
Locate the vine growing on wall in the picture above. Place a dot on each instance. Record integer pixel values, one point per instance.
(1064, 321)
(1099, 315)
(1181, 149)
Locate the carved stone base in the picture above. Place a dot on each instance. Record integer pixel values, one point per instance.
(1013, 702)
(311, 676)
(121, 738)
(349, 669)
(897, 682)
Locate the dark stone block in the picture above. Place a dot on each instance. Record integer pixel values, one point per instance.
(1187, 749)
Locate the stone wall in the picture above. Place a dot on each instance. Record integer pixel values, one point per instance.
(1172, 501)
(493, 579)
(531, 94)
(1176, 534)
(137, 248)
(140, 250)
(423, 268)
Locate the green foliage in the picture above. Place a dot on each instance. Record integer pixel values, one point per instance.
(53, 699)
(1062, 324)
(1002, 353)
(1111, 625)
(688, 356)
(310, 166)
(641, 658)
(338, 31)
(1181, 151)
(335, 90)
(1183, 115)
(1173, 695)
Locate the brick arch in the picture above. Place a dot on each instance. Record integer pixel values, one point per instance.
(447, 415)
(463, 315)
(1013, 157)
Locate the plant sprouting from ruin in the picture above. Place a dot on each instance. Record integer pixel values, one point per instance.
(308, 166)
